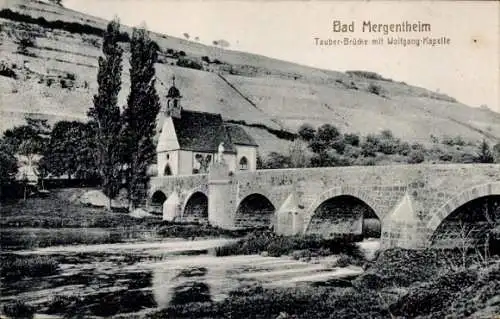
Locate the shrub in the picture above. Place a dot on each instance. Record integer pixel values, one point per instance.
(416, 157)
(182, 53)
(70, 76)
(374, 89)
(7, 71)
(186, 63)
(205, 59)
(352, 139)
(72, 27)
(306, 132)
(19, 309)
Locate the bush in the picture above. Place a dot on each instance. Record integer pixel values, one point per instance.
(374, 89)
(19, 309)
(70, 76)
(416, 157)
(205, 59)
(352, 139)
(186, 63)
(7, 71)
(278, 245)
(72, 27)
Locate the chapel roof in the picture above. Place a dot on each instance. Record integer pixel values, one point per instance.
(202, 132)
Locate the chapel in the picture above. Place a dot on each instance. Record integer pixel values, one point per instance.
(190, 141)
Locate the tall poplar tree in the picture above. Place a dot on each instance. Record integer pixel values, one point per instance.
(106, 114)
(139, 116)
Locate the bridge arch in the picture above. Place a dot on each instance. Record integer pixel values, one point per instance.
(157, 200)
(452, 206)
(328, 215)
(195, 207)
(255, 210)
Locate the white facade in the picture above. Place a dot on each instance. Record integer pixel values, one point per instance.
(250, 154)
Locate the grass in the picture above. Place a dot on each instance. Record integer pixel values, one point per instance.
(14, 267)
(56, 212)
(13, 239)
(301, 246)
(18, 309)
(55, 220)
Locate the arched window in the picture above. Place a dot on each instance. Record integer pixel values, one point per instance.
(167, 171)
(243, 163)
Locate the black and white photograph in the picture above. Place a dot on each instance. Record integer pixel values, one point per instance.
(269, 159)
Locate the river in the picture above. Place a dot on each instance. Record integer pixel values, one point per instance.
(143, 276)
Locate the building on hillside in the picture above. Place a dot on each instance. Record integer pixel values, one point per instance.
(190, 141)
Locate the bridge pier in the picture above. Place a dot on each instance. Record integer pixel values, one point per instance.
(219, 199)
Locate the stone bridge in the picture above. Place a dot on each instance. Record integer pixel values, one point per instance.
(411, 202)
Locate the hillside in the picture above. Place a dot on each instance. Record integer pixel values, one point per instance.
(56, 79)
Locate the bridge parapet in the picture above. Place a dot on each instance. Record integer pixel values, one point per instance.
(297, 193)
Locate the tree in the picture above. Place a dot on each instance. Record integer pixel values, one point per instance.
(298, 154)
(25, 40)
(485, 155)
(71, 150)
(139, 116)
(276, 160)
(327, 137)
(496, 152)
(57, 2)
(8, 165)
(307, 132)
(106, 114)
(35, 133)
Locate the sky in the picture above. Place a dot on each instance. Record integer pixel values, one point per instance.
(468, 68)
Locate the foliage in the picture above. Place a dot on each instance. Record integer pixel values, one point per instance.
(71, 151)
(277, 245)
(416, 157)
(14, 267)
(139, 117)
(485, 155)
(31, 137)
(367, 75)
(299, 155)
(307, 132)
(72, 27)
(327, 137)
(18, 309)
(7, 71)
(25, 40)
(57, 2)
(8, 165)
(496, 152)
(276, 160)
(106, 113)
(187, 63)
(374, 89)
(352, 139)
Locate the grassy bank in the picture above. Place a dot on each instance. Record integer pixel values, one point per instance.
(14, 267)
(265, 241)
(57, 220)
(56, 212)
